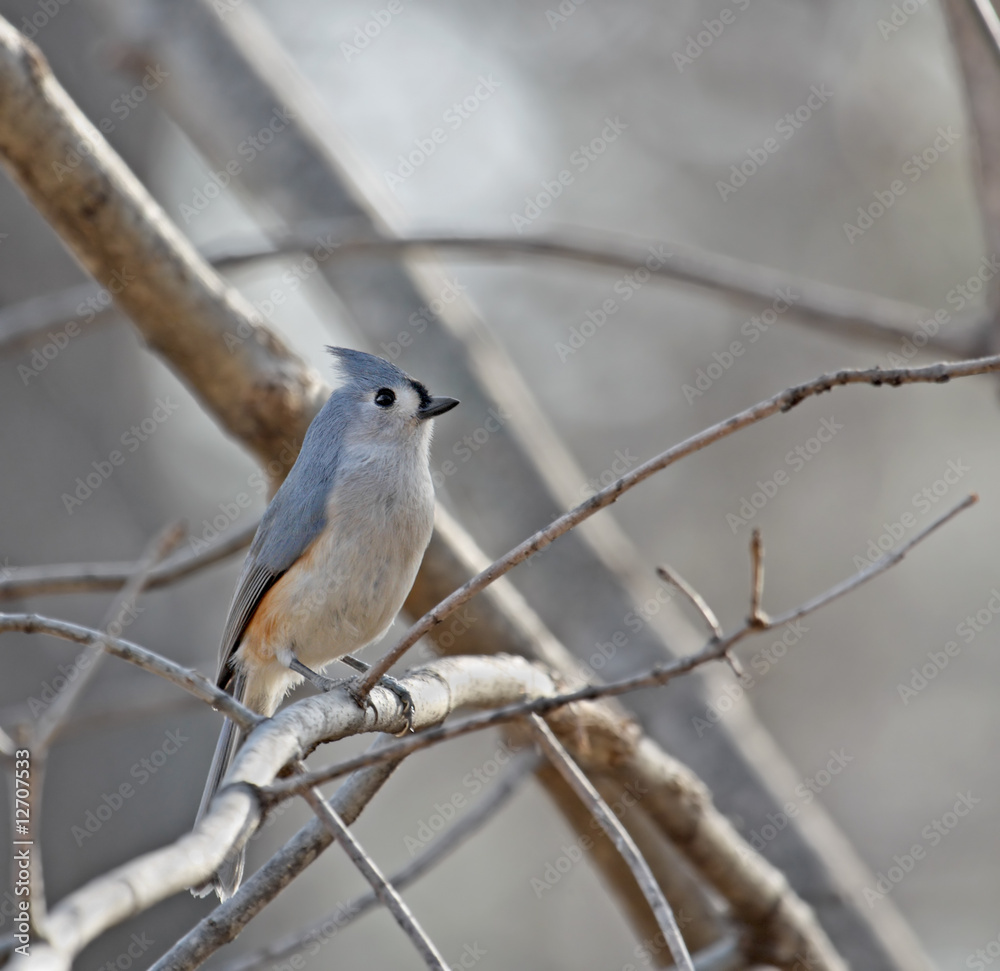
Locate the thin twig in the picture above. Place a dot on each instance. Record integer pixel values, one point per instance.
(383, 889)
(32, 581)
(40, 735)
(781, 402)
(320, 931)
(756, 619)
(620, 838)
(850, 312)
(713, 651)
(191, 681)
(55, 715)
(671, 576)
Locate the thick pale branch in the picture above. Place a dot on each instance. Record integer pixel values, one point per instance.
(255, 387)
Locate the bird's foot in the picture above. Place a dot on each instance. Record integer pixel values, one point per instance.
(353, 685)
(390, 683)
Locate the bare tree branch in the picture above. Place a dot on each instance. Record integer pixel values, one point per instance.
(33, 581)
(618, 835)
(320, 931)
(258, 390)
(224, 923)
(839, 310)
(714, 650)
(192, 682)
(382, 888)
(782, 402)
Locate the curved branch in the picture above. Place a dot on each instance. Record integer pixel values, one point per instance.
(833, 308)
(191, 681)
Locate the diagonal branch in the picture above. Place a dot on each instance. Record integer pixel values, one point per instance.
(320, 931)
(716, 649)
(248, 380)
(618, 835)
(781, 402)
(383, 889)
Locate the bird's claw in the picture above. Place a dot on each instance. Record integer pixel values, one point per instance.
(396, 687)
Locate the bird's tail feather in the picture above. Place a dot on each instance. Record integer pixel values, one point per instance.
(226, 880)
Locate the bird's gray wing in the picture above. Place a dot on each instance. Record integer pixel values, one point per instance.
(294, 518)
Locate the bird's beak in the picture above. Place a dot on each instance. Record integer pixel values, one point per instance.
(435, 407)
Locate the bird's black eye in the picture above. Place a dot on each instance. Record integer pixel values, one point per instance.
(385, 397)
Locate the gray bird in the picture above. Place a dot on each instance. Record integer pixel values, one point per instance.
(336, 552)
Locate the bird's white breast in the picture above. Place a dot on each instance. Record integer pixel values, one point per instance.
(379, 521)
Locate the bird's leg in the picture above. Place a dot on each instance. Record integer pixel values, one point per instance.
(323, 683)
(318, 681)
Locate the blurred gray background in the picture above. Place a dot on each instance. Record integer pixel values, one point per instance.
(546, 86)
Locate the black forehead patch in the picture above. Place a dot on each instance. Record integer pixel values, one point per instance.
(422, 392)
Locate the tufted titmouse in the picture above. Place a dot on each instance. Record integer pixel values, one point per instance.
(336, 552)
